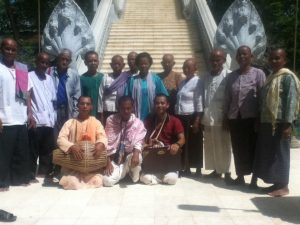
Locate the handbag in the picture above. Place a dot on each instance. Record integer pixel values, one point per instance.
(86, 165)
(158, 159)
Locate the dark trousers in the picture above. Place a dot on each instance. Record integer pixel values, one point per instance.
(192, 154)
(41, 142)
(14, 156)
(243, 140)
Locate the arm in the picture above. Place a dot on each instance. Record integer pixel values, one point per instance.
(137, 147)
(159, 86)
(177, 145)
(65, 144)
(76, 93)
(198, 101)
(30, 120)
(289, 100)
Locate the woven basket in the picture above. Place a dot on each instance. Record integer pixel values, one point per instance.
(86, 165)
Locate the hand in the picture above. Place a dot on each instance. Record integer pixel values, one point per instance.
(174, 149)
(225, 124)
(76, 152)
(31, 122)
(135, 159)
(287, 132)
(109, 169)
(1, 126)
(99, 148)
(196, 127)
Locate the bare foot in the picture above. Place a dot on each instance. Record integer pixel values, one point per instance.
(4, 189)
(280, 192)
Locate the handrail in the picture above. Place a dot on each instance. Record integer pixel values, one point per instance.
(199, 11)
(107, 12)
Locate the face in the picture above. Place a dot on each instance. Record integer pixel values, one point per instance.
(117, 65)
(244, 57)
(144, 65)
(85, 106)
(189, 68)
(168, 63)
(217, 59)
(63, 62)
(92, 62)
(9, 50)
(42, 63)
(126, 109)
(131, 61)
(161, 105)
(277, 59)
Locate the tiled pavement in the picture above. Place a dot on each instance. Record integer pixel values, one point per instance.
(190, 201)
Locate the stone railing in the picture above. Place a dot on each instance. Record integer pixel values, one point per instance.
(107, 12)
(199, 11)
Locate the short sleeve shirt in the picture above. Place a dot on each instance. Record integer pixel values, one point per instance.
(170, 131)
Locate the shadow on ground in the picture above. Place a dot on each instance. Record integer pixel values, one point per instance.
(285, 208)
(207, 208)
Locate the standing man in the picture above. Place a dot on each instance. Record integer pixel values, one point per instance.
(15, 112)
(131, 63)
(171, 79)
(91, 80)
(279, 109)
(41, 138)
(217, 144)
(67, 84)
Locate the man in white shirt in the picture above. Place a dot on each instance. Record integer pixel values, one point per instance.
(107, 104)
(41, 138)
(15, 112)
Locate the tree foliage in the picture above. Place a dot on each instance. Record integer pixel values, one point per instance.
(279, 18)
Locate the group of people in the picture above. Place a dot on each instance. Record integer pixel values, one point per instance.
(123, 112)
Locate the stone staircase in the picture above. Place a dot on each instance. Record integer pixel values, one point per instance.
(155, 26)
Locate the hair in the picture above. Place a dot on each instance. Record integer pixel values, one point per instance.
(143, 55)
(220, 50)
(90, 53)
(132, 53)
(117, 57)
(276, 48)
(125, 98)
(40, 54)
(162, 95)
(65, 51)
(84, 96)
(8, 39)
(244, 46)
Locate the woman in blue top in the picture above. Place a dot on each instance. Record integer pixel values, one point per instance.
(143, 87)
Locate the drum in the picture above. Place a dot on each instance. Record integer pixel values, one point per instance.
(86, 165)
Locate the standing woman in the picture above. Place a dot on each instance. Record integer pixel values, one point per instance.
(279, 108)
(144, 86)
(189, 109)
(242, 111)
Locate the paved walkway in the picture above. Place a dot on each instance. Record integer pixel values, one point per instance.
(190, 201)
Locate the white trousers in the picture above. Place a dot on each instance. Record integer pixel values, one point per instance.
(121, 170)
(151, 179)
(217, 149)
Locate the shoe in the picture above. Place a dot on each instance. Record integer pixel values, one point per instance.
(238, 181)
(3, 189)
(186, 173)
(48, 182)
(198, 173)
(270, 189)
(6, 216)
(228, 179)
(253, 183)
(213, 174)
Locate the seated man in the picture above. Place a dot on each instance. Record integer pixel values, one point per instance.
(126, 135)
(84, 127)
(163, 129)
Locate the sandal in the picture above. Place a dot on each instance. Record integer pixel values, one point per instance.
(6, 216)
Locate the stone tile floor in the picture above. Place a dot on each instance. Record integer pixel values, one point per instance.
(190, 201)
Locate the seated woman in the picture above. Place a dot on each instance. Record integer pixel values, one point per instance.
(163, 129)
(126, 135)
(82, 128)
